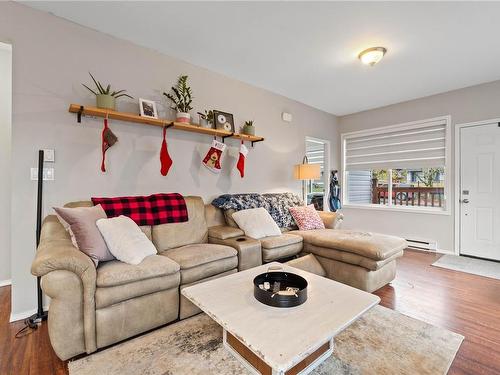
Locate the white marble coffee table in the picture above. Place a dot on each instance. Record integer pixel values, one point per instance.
(271, 340)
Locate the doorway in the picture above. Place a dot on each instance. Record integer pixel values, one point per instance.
(318, 152)
(5, 158)
(478, 212)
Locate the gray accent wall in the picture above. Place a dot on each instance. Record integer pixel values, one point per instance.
(476, 103)
(52, 57)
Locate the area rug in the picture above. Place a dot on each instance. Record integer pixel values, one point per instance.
(474, 266)
(383, 341)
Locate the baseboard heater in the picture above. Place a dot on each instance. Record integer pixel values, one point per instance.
(427, 245)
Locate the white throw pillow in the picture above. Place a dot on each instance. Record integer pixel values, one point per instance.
(125, 240)
(256, 223)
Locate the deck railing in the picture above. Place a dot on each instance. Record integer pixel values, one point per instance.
(409, 196)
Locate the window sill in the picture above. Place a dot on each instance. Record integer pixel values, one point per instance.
(413, 210)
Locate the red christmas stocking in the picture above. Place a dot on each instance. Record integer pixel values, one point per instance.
(241, 160)
(213, 157)
(108, 139)
(166, 161)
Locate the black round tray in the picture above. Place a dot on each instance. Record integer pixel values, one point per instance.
(286, 279)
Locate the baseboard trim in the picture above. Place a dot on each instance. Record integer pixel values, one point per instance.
(5, 282)
(437, 251)
(25, 314)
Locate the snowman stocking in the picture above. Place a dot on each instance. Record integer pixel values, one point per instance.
(213, 157)
(241, 159)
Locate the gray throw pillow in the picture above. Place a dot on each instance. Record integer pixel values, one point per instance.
(228, 214)
(82, 221)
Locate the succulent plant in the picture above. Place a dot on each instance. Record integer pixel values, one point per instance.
(249, 123)
(100, 90)
(208, 115)
(182, 96)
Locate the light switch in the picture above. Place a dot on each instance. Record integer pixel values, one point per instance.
(48, 174)
(287, 117)
(49, 155)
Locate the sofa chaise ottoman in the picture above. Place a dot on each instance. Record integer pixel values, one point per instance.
(363, 260)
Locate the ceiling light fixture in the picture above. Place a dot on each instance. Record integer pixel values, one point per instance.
(373, 55)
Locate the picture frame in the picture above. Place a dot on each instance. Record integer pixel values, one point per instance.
(148, 108)
(223, 121)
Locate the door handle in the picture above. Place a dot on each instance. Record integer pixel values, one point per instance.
(464, 200)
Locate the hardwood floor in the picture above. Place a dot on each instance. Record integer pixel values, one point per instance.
(460, 302)
(463, 303)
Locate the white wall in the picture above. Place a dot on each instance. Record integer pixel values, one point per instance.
(5, 141)
(470, 104)
(51, 57)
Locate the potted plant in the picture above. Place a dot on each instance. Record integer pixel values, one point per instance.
(248, 128)
(181, 98)
(105, 98)
(206, 119)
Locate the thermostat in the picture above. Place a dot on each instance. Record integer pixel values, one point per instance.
(287, 117)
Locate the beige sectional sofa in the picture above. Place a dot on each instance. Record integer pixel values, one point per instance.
(93, 307)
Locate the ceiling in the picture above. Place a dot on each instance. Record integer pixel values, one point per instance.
(307, 51)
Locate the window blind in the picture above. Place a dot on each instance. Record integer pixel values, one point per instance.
(419, 146)
(315, 153)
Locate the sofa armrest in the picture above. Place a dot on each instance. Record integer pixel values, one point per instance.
(57, 253)
(332, 220)
(249, 250)
(224, 232)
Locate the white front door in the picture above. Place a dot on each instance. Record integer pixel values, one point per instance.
(480, 191)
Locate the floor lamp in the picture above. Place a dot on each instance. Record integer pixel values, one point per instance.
(306, 172)
(40, 314)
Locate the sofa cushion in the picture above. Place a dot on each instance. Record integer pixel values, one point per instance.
(79, 204)
(268, 255)
(285, 239)
(199, 261)
(228, 215)
(107, 296)
(193, 231)
(118, 273)
(371, 245)
(223, 232)
(214, 216)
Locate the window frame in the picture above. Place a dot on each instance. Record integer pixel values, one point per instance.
(326, 166)
(445, 210)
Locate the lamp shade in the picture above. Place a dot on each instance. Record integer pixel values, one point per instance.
(307, 172)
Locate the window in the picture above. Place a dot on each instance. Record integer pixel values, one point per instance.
(317, 153)
(402, 166)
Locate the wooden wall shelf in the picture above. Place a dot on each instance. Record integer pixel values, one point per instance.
(132, 117)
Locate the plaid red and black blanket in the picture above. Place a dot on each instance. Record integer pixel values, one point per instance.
(147, 210)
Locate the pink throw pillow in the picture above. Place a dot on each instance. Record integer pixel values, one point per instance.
(307, 217)
(82, 221)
